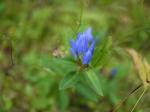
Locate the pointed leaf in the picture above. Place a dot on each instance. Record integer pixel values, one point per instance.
(69, 81)
(60, 66)
(87, 92)
(94, 80)
(63, 100)
(102, 52)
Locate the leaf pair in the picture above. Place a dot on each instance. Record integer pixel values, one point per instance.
(86, 83)
(71, 80)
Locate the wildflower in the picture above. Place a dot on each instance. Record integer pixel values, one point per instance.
(113, 72)
(83, 47)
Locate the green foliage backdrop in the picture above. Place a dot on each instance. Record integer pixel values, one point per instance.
(34, 54)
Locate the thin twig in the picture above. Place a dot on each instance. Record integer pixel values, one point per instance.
(138, 100)
(118, 105)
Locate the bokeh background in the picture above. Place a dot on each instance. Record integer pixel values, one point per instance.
(32, 30)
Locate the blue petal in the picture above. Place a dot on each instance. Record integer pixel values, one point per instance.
(78, 36)
(92, 46)
(113, 72)
(73, 45)
(73, 52)
(88, 34)
(82, 44)
(87, 57)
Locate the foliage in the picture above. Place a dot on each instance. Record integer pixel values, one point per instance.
(37, 72)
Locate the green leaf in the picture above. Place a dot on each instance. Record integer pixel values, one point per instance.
(63, 100)
(94, 80)
(69, 81)
(60, 66)
(102, 52)
(86, 92)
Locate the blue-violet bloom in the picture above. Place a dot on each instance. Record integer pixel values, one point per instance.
(113, 72)
(83, 47)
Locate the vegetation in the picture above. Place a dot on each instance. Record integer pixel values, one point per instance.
(39, 74)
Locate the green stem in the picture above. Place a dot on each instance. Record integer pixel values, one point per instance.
(118, 106)
(138, 100)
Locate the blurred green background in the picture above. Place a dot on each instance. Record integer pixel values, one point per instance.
(31, 31)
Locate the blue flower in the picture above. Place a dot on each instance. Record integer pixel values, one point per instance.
(83, 47)
(113, 72)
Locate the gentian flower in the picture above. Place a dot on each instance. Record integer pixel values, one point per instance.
(113, 72)
(83, 47)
